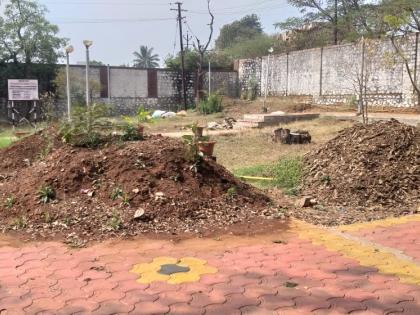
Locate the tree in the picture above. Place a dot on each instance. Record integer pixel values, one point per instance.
(201, 49)
(403, 19)
(345, 20)
(96, 63)
(26, 36)
(145, 58)
(77, 86)
(27, 41)
(244, 29)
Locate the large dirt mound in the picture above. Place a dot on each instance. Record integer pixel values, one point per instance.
(98, 192)
(372, 168)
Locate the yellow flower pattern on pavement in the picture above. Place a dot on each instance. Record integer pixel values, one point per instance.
(149, 272)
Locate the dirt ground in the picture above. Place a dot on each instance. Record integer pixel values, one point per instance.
(255, 147)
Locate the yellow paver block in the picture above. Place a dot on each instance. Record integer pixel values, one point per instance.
(149, 273)
(386, 262)
(378, 223)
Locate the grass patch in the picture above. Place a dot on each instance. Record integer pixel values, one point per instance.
(286, 172)
(5, 142)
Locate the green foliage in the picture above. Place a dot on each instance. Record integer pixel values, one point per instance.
(211, 104)
(244, 29)
(20, 222)
(232, 192)
(10, 201)
(251, 92)
(287, 174)
(219, 60)
(46, 194)
(117, 193)
(29, 45)
(77, 86)
(130, 129)
(254, 47)
(145, 58)
(5, 142)
(115, 223)
(85, 127)
(130, 133)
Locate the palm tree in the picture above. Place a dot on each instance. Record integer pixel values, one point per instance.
(145, 58)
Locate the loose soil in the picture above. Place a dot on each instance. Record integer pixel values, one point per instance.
(365, 173)
(98, 191)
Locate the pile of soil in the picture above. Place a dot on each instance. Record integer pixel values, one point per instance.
(119, 189)
(367, 172)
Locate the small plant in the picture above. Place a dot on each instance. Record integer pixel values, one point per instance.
(232, 192)
(212, 104)
(46, 194)
(47, 148)
(130, 133)
(325, 179)
(20, 222)
(47, 217)
(133, 129)
(125, 200)
(116, 193)
(10, 201)
(115, 222)
(84, 128)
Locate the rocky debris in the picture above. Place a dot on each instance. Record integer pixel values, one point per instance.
(119, 190)
(307, 201)
(228, 123)
(366, 172)
(285, 136)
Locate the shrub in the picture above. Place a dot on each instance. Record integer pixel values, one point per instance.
(212, 104)
(85, 127)
(46, 194)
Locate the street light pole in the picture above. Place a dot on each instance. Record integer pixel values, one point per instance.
(69, 50)
(209, 76)
(87, 44)
(270, 51)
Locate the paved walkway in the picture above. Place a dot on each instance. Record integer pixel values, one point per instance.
(359, 269)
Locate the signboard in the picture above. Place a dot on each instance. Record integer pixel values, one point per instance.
(23, 90)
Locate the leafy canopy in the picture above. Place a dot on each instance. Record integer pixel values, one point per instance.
(26, 36)
(246, 28)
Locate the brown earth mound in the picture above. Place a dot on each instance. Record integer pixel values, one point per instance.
(366, 172)
(122, 188)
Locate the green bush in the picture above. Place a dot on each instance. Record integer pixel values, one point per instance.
(85, 126)
(212, 104)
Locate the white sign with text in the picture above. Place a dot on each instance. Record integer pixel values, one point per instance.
(23, 90)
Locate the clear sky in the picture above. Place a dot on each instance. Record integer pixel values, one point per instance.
(119, 27)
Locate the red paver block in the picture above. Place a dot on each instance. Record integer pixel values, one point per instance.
(201, 300)
(403, 237)
(147, 308)
(185, 309)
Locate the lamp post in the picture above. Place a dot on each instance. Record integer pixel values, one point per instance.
(270, 51)
(69, 50)
(87, 44)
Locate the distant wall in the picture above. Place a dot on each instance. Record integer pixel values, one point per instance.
(329, 74)
(126, 88)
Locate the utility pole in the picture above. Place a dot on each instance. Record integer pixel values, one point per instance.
(181, 40)
(335, 22)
